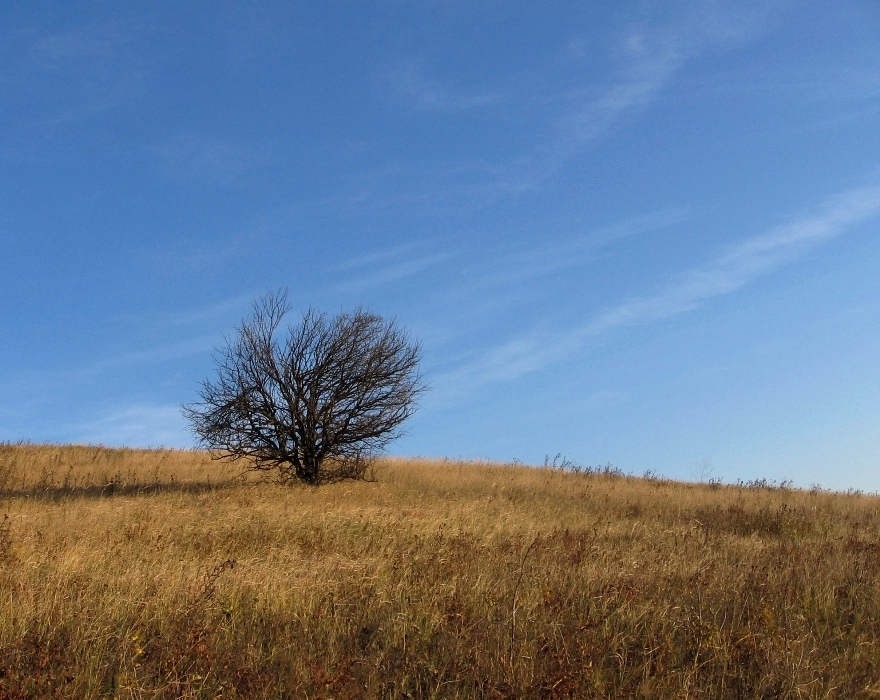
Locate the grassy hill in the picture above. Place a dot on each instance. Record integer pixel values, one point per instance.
(160, 574)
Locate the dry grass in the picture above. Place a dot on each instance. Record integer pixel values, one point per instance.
(143, 574)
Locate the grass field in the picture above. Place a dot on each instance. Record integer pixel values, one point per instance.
(160, 574)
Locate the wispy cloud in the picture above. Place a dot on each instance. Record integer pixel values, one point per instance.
(138, 425)
(648, 60)
(729, 272)
(37, 389)
(572, 107)
(410, 85)
(385, 267)
(196, 158)
(91, 68)
(160, 353)
(514, 265)
(468, 287)
(747, 261)
(213, 312)
(378, 257)
(56, 50)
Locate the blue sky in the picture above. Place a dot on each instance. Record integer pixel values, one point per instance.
(641, 233)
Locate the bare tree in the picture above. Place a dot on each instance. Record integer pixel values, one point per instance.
(315, 405)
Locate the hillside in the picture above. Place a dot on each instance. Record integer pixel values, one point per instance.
(160, 574)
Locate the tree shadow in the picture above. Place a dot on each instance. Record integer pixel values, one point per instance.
(115, 490)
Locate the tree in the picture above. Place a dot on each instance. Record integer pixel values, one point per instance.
(315, 405)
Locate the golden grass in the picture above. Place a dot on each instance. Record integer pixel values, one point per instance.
(158, 574)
